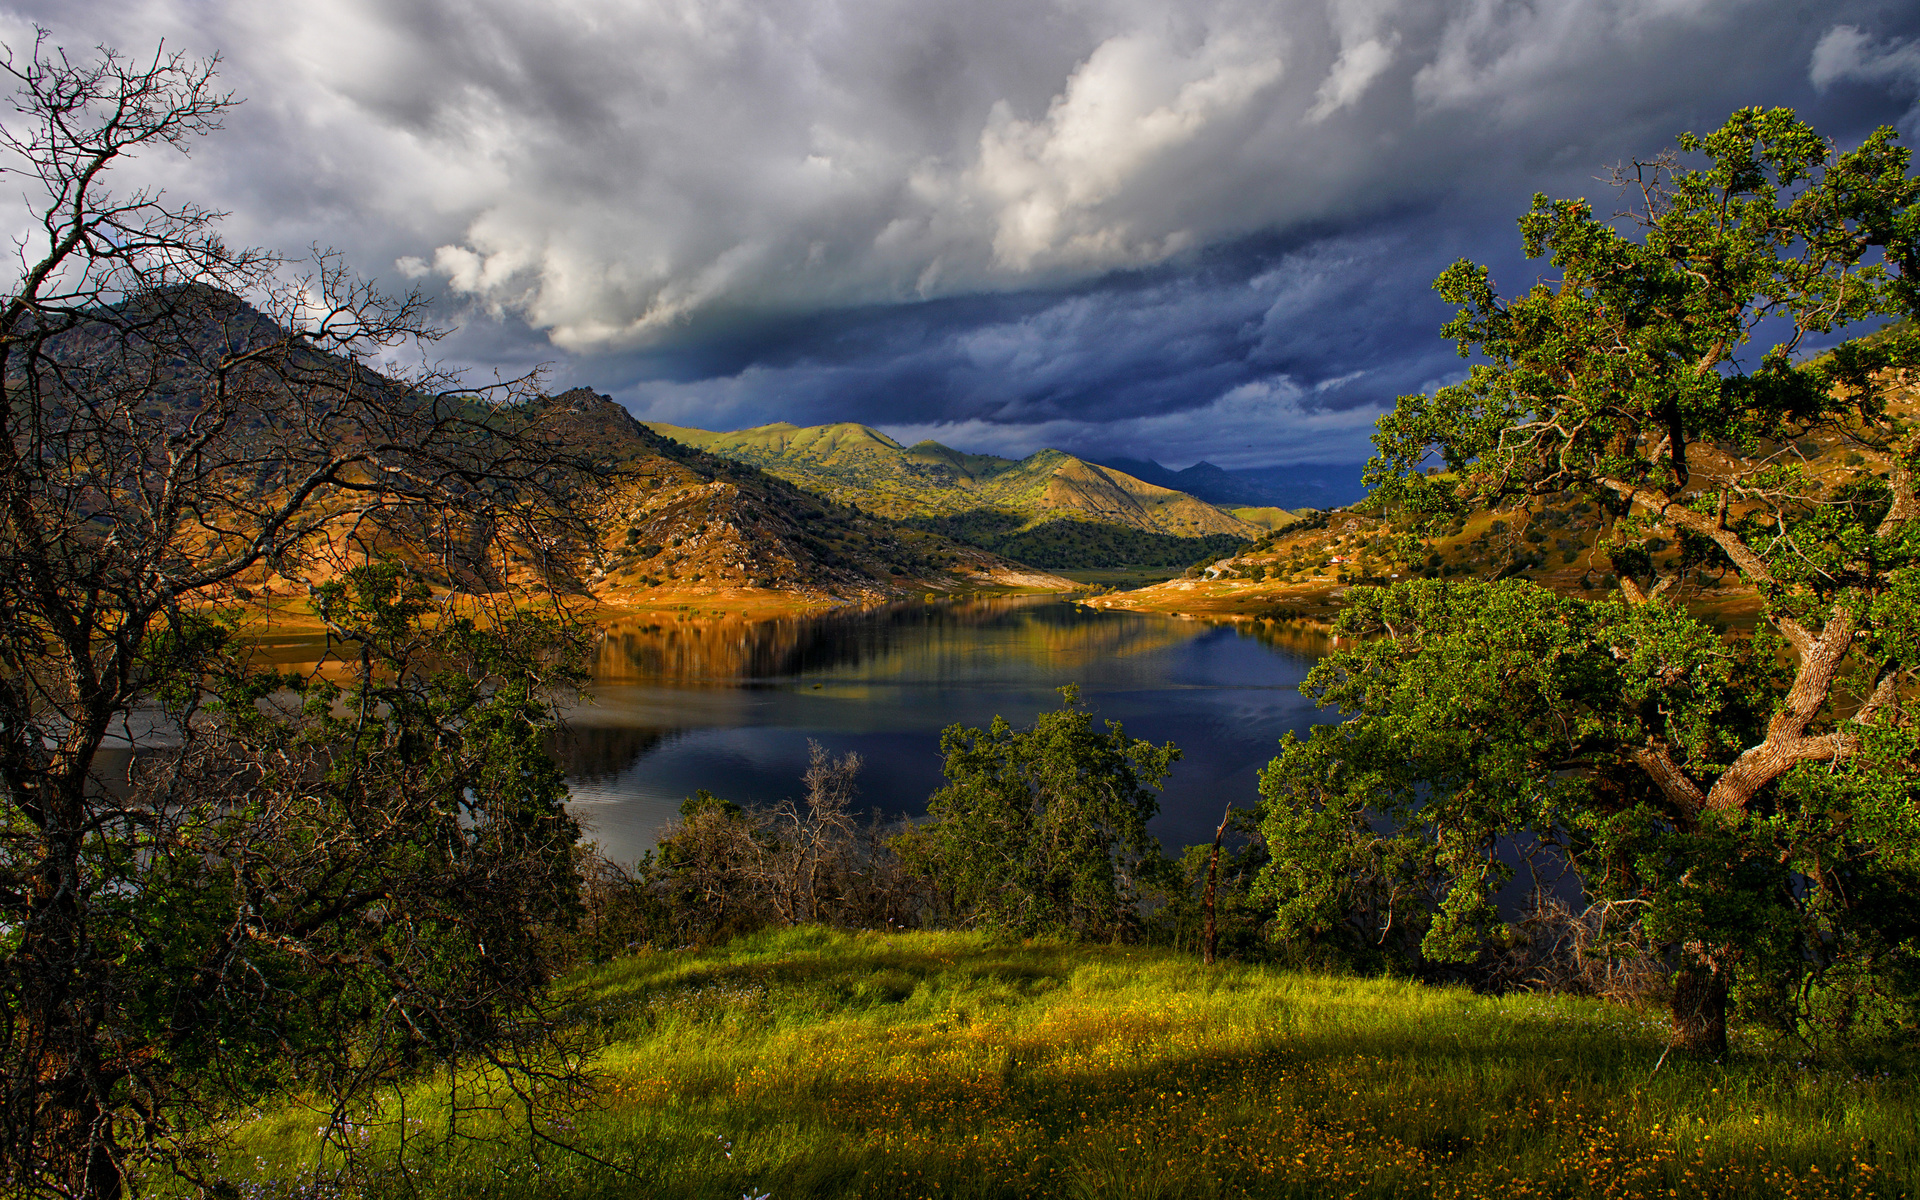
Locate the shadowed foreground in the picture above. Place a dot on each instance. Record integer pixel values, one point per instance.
(811, 1063)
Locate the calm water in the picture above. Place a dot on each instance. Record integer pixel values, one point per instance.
(729, 705)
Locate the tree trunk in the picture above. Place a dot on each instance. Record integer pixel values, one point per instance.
(1207, 930)
(1699, 1011)
(61, 1013)
(104, 1181)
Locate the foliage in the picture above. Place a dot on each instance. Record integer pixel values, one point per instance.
(292, 894)
(809, 1063)
(1069, 544)
(722, 870)
(1489, 711)
(1043, 829)
(1753, 797)
(1241, 916)
(337, 880)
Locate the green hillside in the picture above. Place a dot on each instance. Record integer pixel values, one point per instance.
(808, 1063)
(1066, 544)
(1270, 519)
(1049, 509)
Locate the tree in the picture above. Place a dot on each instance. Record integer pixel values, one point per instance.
(1207, 900)
(722, 870)
(1752, 797)
(291, 895)
(1043, 829)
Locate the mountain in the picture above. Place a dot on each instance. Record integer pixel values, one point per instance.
(682, 520)
(664, 520)
(1309, 485)
(1016, 507)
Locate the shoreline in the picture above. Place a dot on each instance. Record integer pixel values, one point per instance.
(287, 620)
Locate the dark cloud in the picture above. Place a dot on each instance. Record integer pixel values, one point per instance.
(1169, 231)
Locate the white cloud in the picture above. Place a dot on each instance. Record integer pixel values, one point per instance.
(608, 170)
(1134, 105)
(1848, 54)
(1357, 68)
(1367, 49)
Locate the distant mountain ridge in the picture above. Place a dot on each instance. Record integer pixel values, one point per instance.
(1004, 504)
(1309, 485)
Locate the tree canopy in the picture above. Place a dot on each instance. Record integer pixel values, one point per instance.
(1043, 829)
(1749, 798)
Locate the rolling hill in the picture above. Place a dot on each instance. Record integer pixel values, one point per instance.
(666, 523)
(1050, 508)
(683, 521)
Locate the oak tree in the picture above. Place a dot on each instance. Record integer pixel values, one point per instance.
(1750, 796)
(1043, 829)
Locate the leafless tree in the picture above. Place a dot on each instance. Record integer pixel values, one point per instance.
(723, 870)
(184, 422)
(805, 863)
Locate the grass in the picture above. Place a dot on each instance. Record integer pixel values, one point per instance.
(808, 1063)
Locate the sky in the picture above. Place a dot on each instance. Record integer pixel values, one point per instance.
(1189, 231)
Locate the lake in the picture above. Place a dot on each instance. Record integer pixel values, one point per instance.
(729, 704)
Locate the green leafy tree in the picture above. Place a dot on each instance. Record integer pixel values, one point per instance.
(1043, 829)
(1751, 797)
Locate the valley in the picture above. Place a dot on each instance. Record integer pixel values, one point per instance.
(681, 525)
(1050, 509)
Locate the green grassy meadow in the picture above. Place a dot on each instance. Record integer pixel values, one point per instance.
(811, 1063)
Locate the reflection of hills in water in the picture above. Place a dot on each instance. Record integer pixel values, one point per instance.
(913, 640)
(1298, 638)
(730, 704)
(595, 752)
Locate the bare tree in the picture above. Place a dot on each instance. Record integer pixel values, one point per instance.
(805, 862)
(183, 421)
(723, 870)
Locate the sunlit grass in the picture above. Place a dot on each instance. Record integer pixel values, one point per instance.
(810, 1063)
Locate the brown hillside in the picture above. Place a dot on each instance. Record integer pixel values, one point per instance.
(679, 522)
(1120, 499)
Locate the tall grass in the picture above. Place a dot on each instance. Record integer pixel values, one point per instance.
(811, 1063)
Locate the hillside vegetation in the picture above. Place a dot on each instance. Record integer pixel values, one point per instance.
(1305, 566)
(663, 524)
(1269, 518)
(997, 503)
(679, 521)
(805, 1063)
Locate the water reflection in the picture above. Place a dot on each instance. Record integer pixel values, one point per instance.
(729, 704)
(603, 751)
(967, 639)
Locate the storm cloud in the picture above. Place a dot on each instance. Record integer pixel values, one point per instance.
(1173, 232)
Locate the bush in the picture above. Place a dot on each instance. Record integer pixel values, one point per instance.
(1044, 829)
(722, 870)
